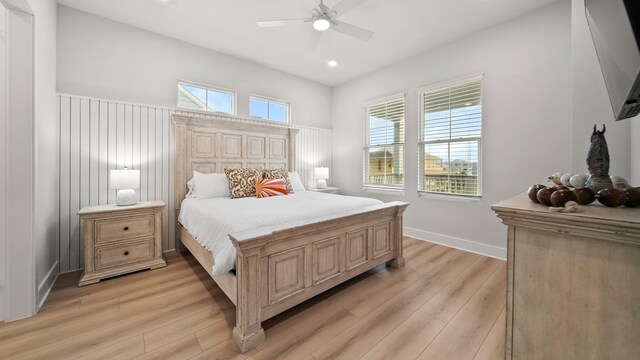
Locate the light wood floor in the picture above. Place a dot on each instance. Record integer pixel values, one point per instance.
(445, 304)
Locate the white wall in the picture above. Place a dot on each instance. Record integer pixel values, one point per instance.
(105, 59)
(29, 167)
(3, 156)
(20, 290)
(591, 101)
(526, 122)
(46, 179)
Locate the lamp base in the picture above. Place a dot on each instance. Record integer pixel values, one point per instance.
(321, 184)
(126, 197)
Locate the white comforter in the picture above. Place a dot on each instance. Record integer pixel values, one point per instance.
(211, 220)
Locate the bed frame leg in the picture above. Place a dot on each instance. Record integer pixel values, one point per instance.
(248, 332)
(396, 263)
(249, 342)
(398, 260)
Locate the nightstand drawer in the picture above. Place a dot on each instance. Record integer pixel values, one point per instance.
(124, 228)
(120, 254)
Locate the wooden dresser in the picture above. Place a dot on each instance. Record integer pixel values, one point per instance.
(573, 287)
(121, 239)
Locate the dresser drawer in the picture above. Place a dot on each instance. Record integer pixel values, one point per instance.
(119, 254)
(124, 228)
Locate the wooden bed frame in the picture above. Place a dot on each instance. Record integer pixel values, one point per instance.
(278, 267)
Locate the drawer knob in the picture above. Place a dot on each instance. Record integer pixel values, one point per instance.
(126, 228)
(126, 253)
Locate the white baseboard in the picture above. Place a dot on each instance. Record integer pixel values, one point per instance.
(457, 243)
(47, 283)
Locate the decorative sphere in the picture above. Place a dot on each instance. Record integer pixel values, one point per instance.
(633, 197)
(579, 180)
(619, 182)
(611, 197)
(561, 197)
(584, 195)
(533, 191)
(544, 196)
(564, 179)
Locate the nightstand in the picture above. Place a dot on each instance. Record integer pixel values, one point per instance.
(121, 239)
(328, 190)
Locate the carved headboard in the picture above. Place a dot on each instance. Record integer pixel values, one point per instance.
(209, 144)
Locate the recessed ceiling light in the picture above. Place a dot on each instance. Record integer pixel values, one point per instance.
(332, 63)
(321, 23)
(467, 104)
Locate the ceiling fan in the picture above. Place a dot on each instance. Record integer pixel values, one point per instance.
(324, 18)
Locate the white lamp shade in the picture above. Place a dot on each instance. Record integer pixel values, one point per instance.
(124, 179)
(322, 172)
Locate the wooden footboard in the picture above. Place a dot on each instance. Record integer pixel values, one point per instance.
(280, 267)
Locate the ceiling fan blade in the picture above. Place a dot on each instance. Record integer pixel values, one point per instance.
(313, 41)
(345, 6)
(354, 31)
(284, 22)
(312, 5)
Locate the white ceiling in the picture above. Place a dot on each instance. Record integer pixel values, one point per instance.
(402, 28)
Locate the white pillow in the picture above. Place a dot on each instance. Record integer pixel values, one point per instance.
(191, 185)
(296, 183)
(212, 185)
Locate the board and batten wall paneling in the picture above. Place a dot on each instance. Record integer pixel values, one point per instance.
(98, 135)
(313, 149)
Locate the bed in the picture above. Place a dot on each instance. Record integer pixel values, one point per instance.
(279, 262)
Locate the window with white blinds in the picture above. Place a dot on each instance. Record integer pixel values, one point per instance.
(384, 145)
(450, 148)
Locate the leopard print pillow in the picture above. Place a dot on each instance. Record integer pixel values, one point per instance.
(280, 173)
(241, 181)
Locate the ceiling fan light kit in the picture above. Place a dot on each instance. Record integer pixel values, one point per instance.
(321, 23)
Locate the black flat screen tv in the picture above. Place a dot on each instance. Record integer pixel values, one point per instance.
(615, 29)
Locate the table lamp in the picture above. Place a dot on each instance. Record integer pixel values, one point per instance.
(322, 174)
(125, 181)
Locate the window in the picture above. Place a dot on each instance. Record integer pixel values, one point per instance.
(451, 128)
(203, 98)
(268, 109)
(384, 144)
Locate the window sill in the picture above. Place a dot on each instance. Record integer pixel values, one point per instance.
(258, 118)
(205, 112)
(386, 191)
(455, 198)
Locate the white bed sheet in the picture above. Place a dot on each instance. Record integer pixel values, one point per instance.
(211, 220)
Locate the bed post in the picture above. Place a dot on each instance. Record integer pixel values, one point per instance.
(180, 124)
(248, 332)
(398, 258)
(291, 164)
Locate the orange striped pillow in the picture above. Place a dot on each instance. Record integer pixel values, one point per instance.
(270, 187)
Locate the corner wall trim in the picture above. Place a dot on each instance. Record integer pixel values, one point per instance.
(457, 243)
(47, 284)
